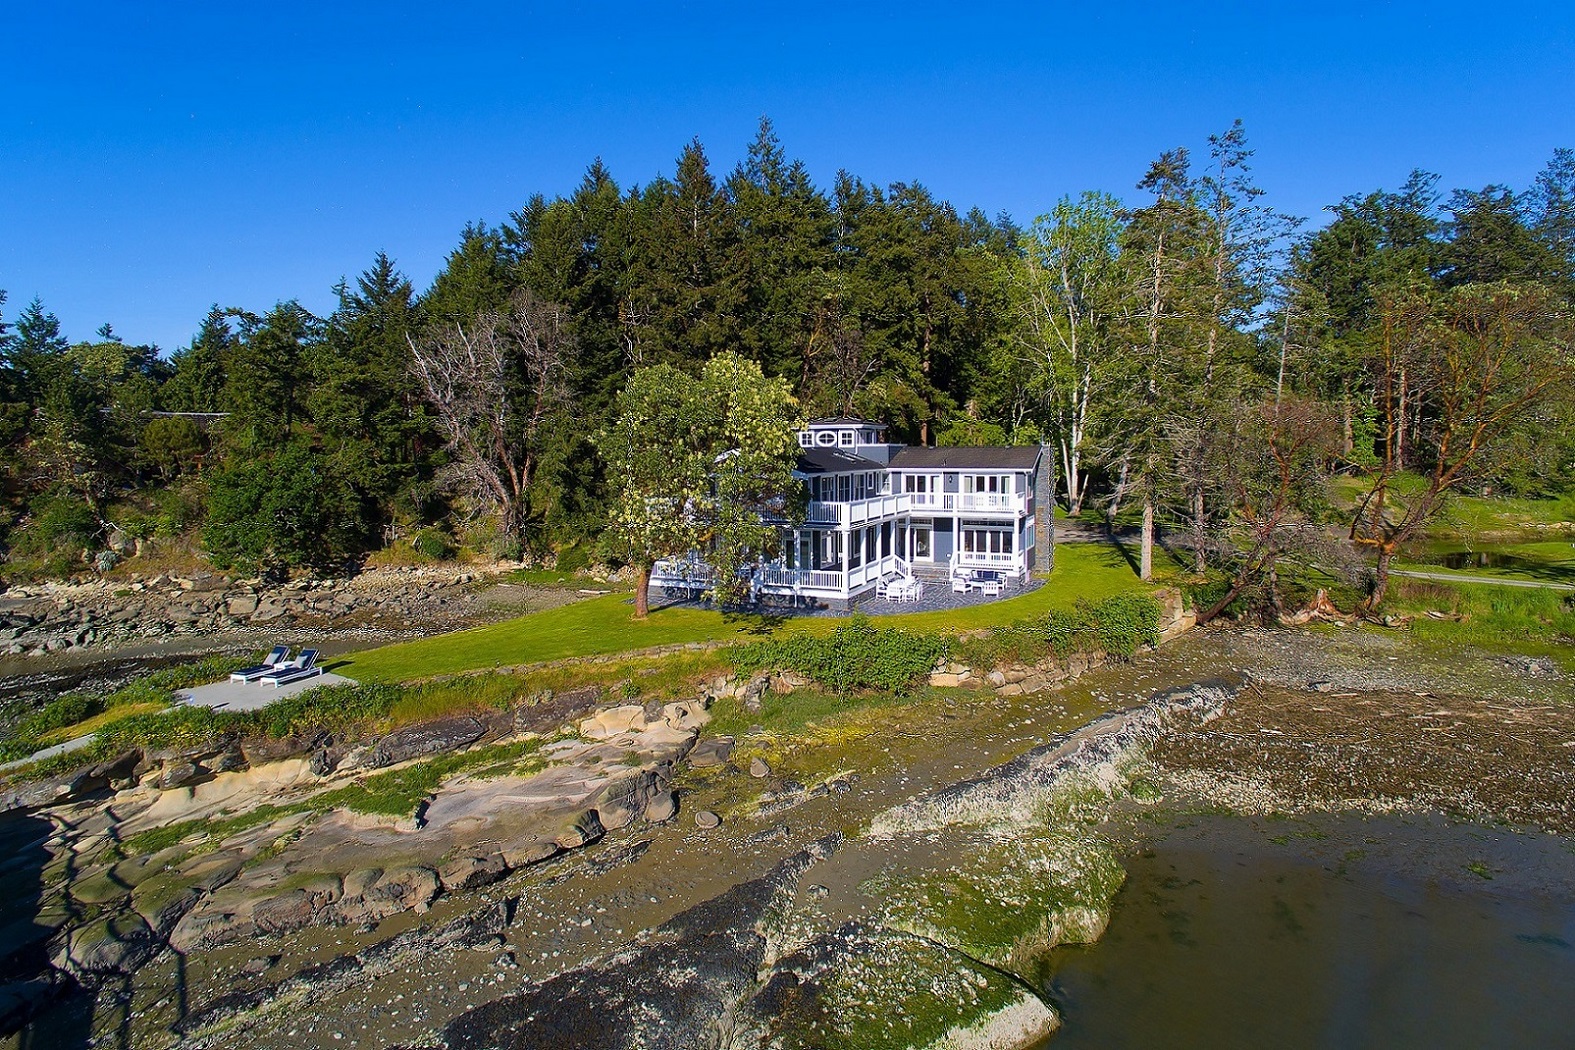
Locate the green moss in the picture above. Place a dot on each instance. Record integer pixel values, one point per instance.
(1008, 902)
(900, 994)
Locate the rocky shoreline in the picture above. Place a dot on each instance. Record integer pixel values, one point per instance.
(112, 613)
(581, 848)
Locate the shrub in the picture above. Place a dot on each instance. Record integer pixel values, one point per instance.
(432, 544)
(1118, 625)
(857, 655)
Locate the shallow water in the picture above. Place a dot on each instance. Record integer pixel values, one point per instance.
(1253, 945)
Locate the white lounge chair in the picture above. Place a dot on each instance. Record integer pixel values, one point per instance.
(303, 666)
(272, 662)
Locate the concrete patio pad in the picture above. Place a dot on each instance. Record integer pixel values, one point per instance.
(252, 696)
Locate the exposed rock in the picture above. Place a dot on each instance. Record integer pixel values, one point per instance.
(241, 605)
(685, 715)
(176, 774)
(114, 945)
(712, 751)
(758, 768)
(706, 819)
(587, 827)
(429, 738)
(678, 987)
(468, 873)
(614, 721)
(662, 807)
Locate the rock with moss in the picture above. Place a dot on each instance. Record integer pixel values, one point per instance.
(866, 988)
(1008, 901)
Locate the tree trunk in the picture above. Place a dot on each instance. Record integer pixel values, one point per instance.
(642, 591)
(1146, 556)
(1386, 554)
(1200, 562)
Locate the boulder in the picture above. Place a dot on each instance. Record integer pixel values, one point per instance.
(706, 819)
(626, 797)
(115, 945)
(587, 827)
(713, 751)
(241, 605)
(758, 768)
(661, 808)
(177, 773)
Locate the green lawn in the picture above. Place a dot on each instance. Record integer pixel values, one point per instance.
(606, 625)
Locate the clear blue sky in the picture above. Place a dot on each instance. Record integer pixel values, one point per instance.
(159, 157)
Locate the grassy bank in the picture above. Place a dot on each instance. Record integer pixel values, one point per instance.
(1519, 620)
(606, 625)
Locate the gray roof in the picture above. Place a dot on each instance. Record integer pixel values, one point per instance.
(846, 421)
(833, 461)
(1023, 457)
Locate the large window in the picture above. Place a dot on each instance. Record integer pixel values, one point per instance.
(920, 535)
(977, 540)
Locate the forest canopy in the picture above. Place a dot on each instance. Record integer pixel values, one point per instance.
(1183, 350)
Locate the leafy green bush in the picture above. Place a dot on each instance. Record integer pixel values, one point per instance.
(1118, 625)
(432, 544)
(857, 655)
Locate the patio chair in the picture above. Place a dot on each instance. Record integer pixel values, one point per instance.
(273, 661)
(991, 588)
(303, 666)
(959, 585)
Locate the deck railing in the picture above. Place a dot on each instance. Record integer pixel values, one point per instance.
(856, 512)
(988, 502)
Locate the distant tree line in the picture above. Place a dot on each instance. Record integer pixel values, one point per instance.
(1193, 358)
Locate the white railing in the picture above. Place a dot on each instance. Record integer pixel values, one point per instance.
(1008, 502)
(771, 577)
(690, 572)
(991, 501)
(856, 512)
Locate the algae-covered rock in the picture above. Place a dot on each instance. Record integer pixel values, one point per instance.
(862, 988)
(1009, 901)
(117, 944)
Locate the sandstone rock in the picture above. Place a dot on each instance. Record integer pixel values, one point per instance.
(661, 808)
(241, 605)
(114, 945)
(404, 888)
(266, 612)
(613, 721)
(587, 827)
(758, 768)
(996, 678)
(685, 714)
(626, 797)
(706, 819)
(712, 751)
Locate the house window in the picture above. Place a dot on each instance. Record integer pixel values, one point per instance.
(825, 438)
(872, 542)
(986, 541)
(845, 488)
(855, 550)
(982, 483)
(921, 542)
(831, 551)
(845, 438)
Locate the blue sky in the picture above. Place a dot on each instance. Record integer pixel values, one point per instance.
(159, 157)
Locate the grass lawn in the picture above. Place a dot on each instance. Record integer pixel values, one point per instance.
(606, 625)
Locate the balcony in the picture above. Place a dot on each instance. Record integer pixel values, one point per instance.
(971, 502)
(858, 512)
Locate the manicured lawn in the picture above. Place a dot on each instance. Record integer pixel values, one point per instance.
(605, 625)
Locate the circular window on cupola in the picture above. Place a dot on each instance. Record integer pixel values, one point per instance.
(826, 438)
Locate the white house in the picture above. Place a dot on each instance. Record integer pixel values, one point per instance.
(881, 514)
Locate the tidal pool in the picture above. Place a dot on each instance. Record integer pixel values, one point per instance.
(1346, 933)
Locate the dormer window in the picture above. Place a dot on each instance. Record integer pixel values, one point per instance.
(845, 438)
(825, 438)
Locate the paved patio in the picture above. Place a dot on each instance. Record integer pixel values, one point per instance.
(252, 696)
(938, 595)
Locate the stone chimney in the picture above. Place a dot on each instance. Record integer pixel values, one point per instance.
(1044, 513)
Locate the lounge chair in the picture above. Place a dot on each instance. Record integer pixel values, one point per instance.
(272, 662)
(303, 666)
